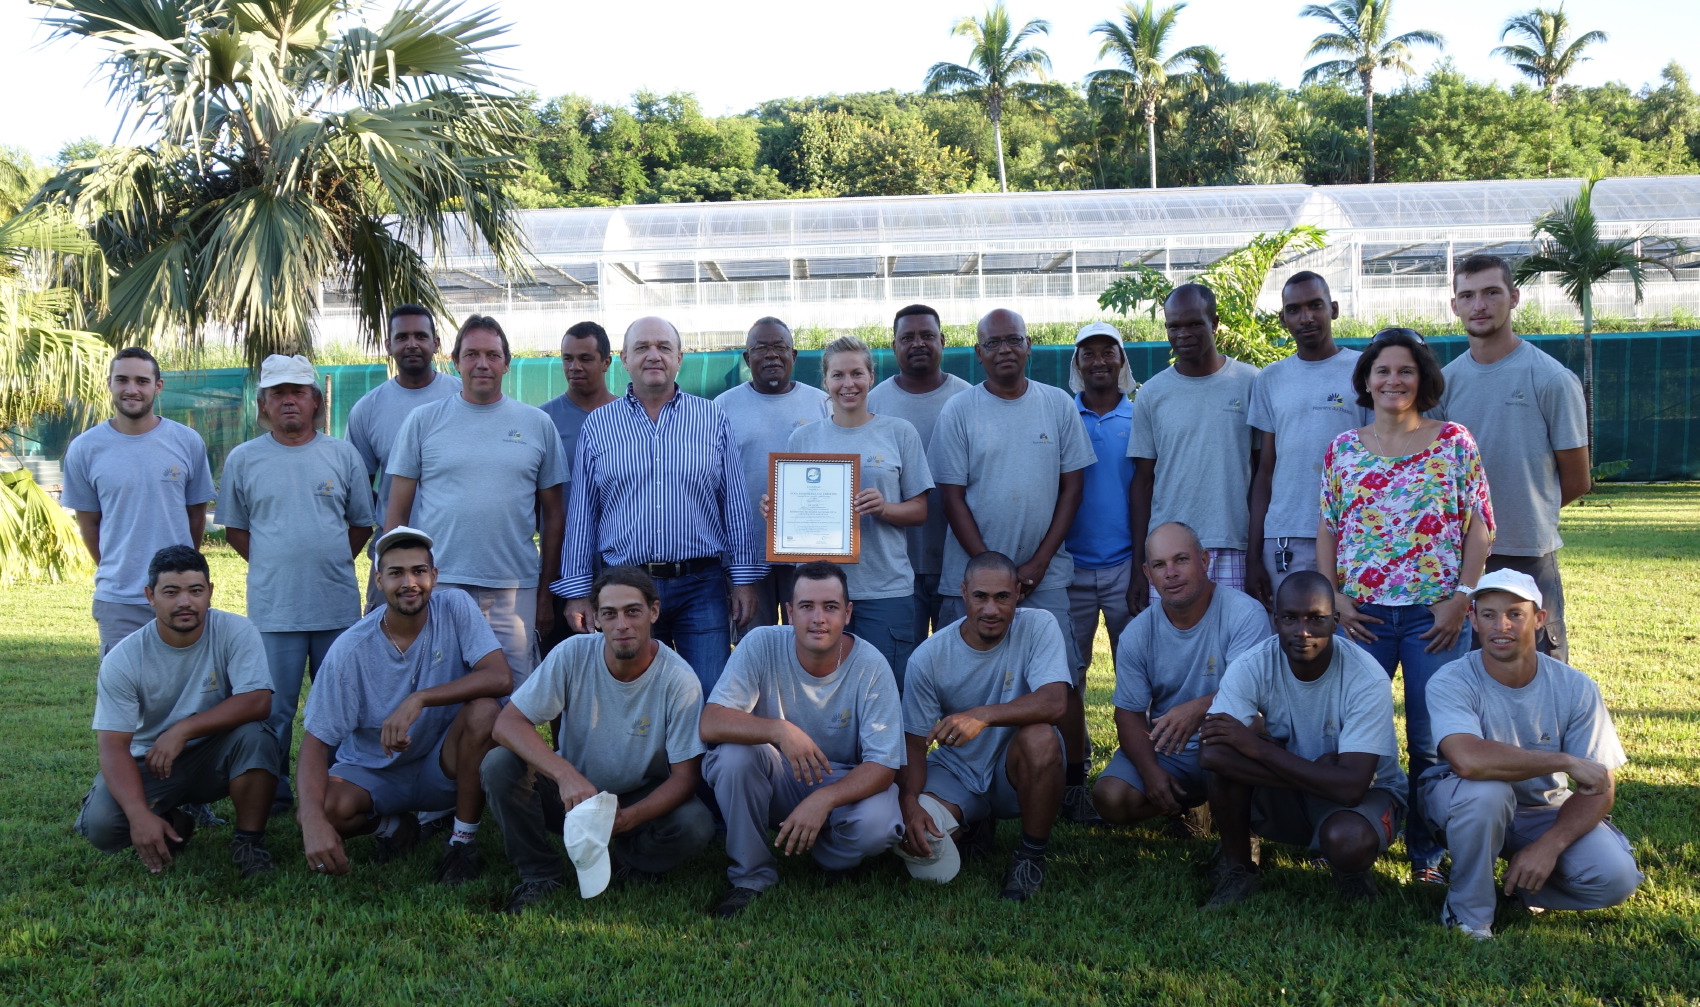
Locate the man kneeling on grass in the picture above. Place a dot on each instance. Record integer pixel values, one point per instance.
(1516, 730)
(629, 707)
(989, 688)
(1325, 772)
(405, 700)
(180, 711)
(806, 720)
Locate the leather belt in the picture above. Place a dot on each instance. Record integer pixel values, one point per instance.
(679, 568)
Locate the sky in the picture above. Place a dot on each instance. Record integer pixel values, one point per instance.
(735, 55)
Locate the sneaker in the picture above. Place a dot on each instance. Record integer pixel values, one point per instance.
(1023, 878)
(1237, 884)
(974, 841)
(1357, 886)
(1319, 864)
(529, 893)
(182, 823)
(400, 842)
(250, 857)
(735, 901)
(1219, 865)
(459, 865)
(1191, 824)
(1428, 875)
(1077, 806)
(203, 814)
(1452, 922)
(430, 827)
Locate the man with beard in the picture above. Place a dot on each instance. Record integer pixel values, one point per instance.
(628, 708)
(180, 710)
(404, 705)
(138, 482)
(296, 504)
(917, 393)
(1324, 774)
(1299, 404)
(764, 411)
(1008, 457)
(1191, 446)
(412, 346)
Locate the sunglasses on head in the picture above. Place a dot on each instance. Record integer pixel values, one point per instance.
(1385, 334)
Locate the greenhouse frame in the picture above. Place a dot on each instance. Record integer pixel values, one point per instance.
(713, 268)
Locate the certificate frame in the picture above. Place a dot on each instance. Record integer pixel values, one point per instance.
(799, 487)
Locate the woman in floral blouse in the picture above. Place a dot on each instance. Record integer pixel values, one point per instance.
(1406, 528)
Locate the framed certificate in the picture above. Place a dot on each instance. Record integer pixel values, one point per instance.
(812, 499)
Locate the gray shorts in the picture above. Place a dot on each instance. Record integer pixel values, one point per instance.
(1285, 556)
(1183, 767)
(117, 620)
(420, 785)
(999, 802)
(1295, 818)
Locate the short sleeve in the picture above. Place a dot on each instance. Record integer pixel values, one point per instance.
(1047, 659)
(1451, 704)
(471, 631)
(1366, 719)
(1333, 483)
(684, 716)
(1588, 731)
(1565, 410)
(359, 506)
(1133, 673)
(1251, 629)
(739, 686)
(881, 717)
(78, 491)
(1261, 415)
(917, 476)
(1142, 435)
(921, 708)
(233, 501)
(361, 438)
(1077, 451)
(200, 487)
(405, 459)
(245, 661)
(553, 471)
(1238, 696)
(947, 455)
(544, 694)
(117, 704)
(333, 704)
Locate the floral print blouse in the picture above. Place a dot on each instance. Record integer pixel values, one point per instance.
(1401, 522)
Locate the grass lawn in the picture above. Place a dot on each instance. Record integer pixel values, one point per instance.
(1117, 921)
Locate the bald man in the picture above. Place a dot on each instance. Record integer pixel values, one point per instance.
(1009, 457)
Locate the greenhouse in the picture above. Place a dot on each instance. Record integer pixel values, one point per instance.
(713, 268)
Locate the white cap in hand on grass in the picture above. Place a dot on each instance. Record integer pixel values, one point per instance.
(586, 832)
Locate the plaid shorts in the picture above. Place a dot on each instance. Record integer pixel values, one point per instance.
(1227, 566)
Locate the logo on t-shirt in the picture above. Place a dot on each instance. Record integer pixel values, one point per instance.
(436, 657)
(326, 488)
(1336, 400)
(211, 684)
(841, 719)
(1330, 728)
(1235, 406)
(515, 437)
(1044, 438)
(1517, 398)
(641, 728)
(1008, 681)
(1210, 665)
(876, 460)
(173, 474)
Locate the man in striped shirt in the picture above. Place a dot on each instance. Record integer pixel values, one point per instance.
(657, 483)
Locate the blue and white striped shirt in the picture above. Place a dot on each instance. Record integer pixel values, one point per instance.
(659, 492)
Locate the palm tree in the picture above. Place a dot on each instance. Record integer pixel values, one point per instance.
(291, 145)
(1360, 38)
(1547, 59)
(1568, 245)
(1147, 76)
(996, 65)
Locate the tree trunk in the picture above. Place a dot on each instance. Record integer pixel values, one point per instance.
(997, 138)
(1587, 292)
(1151, 138)
(1369, 119)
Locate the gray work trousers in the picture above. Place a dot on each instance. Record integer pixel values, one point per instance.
(756, 791)
(117, 620)
(528, 810)
(1481, 821)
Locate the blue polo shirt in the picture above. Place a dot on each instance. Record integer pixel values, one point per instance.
(1101, 536)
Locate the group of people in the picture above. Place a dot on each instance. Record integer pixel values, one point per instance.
(1265, 549)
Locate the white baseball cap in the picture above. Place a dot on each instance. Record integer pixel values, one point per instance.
(278, 369)
(1511, 582)
(945, 861)
(1097, 329)
(401, 535)
(586, 832)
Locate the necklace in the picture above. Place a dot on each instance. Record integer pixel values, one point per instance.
(1381, 448)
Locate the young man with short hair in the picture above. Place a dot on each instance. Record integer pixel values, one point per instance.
(628, 707)
(1524, 771)
(805, 728)
(180, 710)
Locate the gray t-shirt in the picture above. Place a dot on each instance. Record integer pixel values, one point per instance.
(1009, 453)
(377, 417)
(297, 504)
(1305, 404)
(480, 468)
(852, 714)
(926, 542)
(763, 424)
(142, 486)
(1348, 709)
(1159, 667)
(947, 676)
(1520, 410)
(1196, 430)
(1560, 710)
(893, 462)
(622, 736)
(146, 685)
(364, 678)
(568, 418)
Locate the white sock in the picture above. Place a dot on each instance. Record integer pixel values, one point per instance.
(387, 826)
(463, 833)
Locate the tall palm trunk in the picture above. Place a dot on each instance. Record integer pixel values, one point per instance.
(1588, 362)
(997, 138)
(1151, 138)
(1369, 118)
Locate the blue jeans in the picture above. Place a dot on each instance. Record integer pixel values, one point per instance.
(926, 606)
(696, 621)
(888, 624)
(288, 655)
(1399, 644)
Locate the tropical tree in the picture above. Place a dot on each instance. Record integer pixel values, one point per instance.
(1360, 37)
(1549, 56)
(1569, 246)
(292, 146)
(997, 63)
(1148, 75)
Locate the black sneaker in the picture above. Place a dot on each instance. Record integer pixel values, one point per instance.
(1077, 806)
(1023, 878)
(459, 865)
(529, 893)
(735, 901)
(251, 856)
(974, 840)
(1219, 864)
(182, 822)
(1356, 886)
(1237, 883)
(400, 842)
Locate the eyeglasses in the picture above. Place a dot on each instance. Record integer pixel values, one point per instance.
(1386, 334)
(999, 342)
(1315, 623)
(769, 349)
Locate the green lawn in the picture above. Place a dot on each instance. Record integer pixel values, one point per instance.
(1117, 921)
